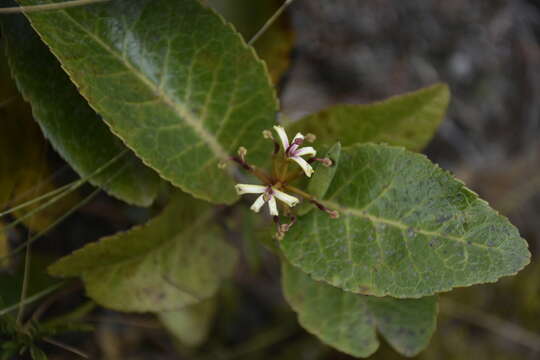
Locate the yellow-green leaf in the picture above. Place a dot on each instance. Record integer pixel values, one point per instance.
(190, 325)
(409, 120)
(176, 259)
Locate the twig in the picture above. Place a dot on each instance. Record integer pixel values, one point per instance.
(65, 347)
(48, 7)
(68, 188)
(28, 255)
(30, 299)
(492, 323)
(83, 202)
(24, 289)
(270, 21)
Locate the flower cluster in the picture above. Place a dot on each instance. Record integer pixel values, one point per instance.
(279, 181)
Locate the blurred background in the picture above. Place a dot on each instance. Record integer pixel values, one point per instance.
(359, 51)
(488, 52)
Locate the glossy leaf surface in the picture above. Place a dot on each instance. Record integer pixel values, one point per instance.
(73, 128)
(177, 84)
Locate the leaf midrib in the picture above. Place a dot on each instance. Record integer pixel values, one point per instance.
(177, 108)
(397, 224)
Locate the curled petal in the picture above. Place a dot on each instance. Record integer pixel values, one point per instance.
(306, 151)
(272, 205)
(257, 205)
(295, 144)
(242, 189)
(308, 170)
(282, 136)
(286, 198)
(298, 136)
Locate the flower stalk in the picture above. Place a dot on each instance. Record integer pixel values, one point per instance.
(275, 190)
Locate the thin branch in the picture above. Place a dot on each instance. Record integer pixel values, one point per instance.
(270, 21)
(67, 188)
(28, 255)
(64, 216)
(66, 347)
(491, 323)
(24, 289)
(30, 299)
(48, 7)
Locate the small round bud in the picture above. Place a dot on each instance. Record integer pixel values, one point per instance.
(267, 134)
(283, 228)
(310, 137)
(242, 152)
(333, 214)
(327, 162)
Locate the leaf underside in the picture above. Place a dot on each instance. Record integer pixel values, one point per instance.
(177, 84)
(191, 325)
(349, 322)
(176, 259)
(407, 229)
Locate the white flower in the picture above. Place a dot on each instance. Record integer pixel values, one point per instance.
(293, 150)
(268, 195)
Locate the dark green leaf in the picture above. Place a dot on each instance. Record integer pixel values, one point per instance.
(408, 120)
(176, 259)
(349, 321)
(73, 128)
(176, 83)
(407, 229)
(25, 172)
(322, 178)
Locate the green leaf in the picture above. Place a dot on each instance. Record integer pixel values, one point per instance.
(25, 172)
(178, 85)
(408, 120)
(37, 353)
(73, 128)
(176, 259)
(349, 322)
(322, 178)
(407, 229)
(191, 324)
